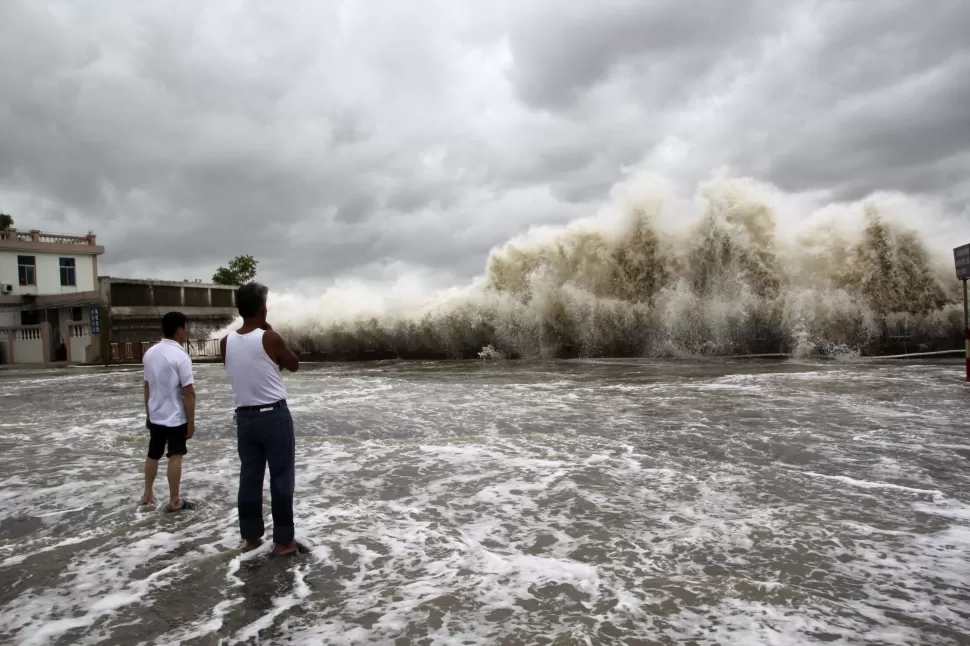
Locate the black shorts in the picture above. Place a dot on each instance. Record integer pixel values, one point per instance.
(174, 436)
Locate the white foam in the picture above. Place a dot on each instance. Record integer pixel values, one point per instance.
(473, 514)
(864, 484)
(956, 511)
(280, 605)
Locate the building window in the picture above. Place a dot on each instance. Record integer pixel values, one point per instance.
(30, 317)
(68, 273)
(27, 269)
(77, 314)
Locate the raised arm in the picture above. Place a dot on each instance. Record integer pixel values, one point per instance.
(277, 350)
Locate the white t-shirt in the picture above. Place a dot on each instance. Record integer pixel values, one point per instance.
(168, 369)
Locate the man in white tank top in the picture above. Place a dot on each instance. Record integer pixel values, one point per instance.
(254, 356)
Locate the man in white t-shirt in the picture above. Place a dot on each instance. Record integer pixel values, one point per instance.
(170, 407)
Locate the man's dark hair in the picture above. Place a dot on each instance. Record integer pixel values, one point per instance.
(250, 299)
(171, 323)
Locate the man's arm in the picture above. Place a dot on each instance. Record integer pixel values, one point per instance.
(187, 380)
(222, 347)
(188, 393)
(277, 350)
(148, 418)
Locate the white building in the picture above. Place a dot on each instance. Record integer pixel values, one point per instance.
(48, 288)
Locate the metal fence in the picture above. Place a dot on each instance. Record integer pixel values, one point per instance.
(135, 350)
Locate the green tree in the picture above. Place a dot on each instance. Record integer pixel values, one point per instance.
(6, 221)
(241, 270)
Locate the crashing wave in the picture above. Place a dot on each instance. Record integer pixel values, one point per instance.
(648, 276)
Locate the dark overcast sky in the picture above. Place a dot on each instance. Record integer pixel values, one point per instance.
(327, 138)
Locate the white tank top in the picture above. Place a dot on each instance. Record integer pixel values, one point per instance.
(255, 379)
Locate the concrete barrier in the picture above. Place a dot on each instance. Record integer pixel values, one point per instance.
(78, 342)
(25, 344)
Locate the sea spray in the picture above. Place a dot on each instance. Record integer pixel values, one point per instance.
(648, 276)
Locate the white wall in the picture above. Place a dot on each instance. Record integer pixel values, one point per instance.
(8, 270)
(48, 273)
(28, 346)
(80, 340)
(8, 319)
(80, 347)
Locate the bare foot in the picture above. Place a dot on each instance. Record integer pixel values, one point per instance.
(251, 545)
(286, 550)
(148, 500)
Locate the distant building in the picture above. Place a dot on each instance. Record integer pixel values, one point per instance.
(48, 288)
(131, 313)
(54, 307)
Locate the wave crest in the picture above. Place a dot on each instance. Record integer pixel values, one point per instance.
(649, 278)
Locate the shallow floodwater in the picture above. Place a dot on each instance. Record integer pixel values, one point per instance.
(573, 502)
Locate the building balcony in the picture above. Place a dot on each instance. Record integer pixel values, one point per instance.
(34, 240)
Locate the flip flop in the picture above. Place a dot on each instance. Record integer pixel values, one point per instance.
(186, 506)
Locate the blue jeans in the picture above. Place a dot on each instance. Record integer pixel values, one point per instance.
(266, 438)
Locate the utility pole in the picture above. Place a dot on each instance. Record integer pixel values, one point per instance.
(961, 257)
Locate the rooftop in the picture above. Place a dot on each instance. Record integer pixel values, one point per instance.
(35, 240)
(165, 283)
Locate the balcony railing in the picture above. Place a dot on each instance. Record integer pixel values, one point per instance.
(78, 330)
(14, 235)
(29, 333)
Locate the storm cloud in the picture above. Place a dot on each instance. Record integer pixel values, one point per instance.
(330, 138)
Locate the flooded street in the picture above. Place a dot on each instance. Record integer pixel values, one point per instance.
(568, 502)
